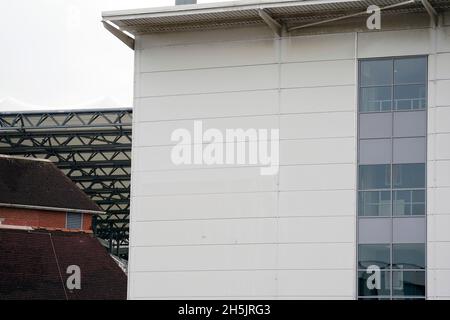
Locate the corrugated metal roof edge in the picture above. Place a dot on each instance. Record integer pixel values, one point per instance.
(214, 8)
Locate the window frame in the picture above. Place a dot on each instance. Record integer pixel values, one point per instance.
(393, 84)
(392, 111)
(81, 220)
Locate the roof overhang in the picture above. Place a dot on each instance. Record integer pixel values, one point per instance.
(287, 14)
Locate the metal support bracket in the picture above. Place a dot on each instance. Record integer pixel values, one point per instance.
(271, 22)
(431, 12)
(119, 34)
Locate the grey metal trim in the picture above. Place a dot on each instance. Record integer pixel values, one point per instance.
(271, 23)
(119, 34)
(24, 206)
(431, 12)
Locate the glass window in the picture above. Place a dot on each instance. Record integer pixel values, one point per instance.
(74, 220)
(374, 283)
(376, 72)
(374, 203)
(411, 175)
(376, 99)
(399, 84)
(410, 97)
(376, 176)
(374, 254)
(410, 70)
(408, 256)
(409, 202)
(408, 283)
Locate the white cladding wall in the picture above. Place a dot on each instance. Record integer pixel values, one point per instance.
(229, 232)
(439, 169)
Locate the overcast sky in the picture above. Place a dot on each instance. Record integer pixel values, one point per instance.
(56, 54)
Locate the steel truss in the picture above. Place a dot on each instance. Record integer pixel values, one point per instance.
(92, 147)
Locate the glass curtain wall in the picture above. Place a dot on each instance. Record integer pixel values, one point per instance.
(391, 209)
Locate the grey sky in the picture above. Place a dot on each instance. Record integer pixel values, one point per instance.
(56, 54)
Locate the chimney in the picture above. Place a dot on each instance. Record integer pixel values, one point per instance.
(178, 2)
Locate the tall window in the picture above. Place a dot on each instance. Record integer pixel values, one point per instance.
(392, 178)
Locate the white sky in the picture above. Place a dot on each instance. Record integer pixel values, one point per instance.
(55, 54)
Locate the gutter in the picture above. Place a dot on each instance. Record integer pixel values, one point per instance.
(24, 206)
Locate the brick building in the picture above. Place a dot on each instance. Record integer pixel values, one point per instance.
(35, 193)
(46, 231)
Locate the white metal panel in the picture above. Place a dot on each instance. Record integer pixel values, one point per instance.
(204, 232)
(158, 158)
(318, 73)
(443, 39)
(442, 93)
(319, 99)
(207, 284)
(202, 181)
(317, 256)
(317, 151)
(442, 114)
(160, 132)
(208, 105)
(443, 66)
(438, 227)
(317, 203)
(317, 177)
(209, 55)
(442, 146)
(319, 47)
(318, 125)
(440, 255)
(441, 279)
(204, 258)
(147, 41)
(209, 80)
(316, 283)
(438, 201)
(205, 206)
(442, 173)
(312, 229)
(394, 43)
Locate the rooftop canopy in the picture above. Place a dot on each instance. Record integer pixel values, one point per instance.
(287, 15)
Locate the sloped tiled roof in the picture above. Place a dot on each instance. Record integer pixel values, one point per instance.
(34, 265)
(39, 183)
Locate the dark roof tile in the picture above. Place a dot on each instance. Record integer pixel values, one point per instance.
(40, 183)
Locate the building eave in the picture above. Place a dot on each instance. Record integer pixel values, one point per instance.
(43, 208)
(245, 13)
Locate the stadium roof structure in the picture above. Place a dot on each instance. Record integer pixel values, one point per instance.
(92, 147)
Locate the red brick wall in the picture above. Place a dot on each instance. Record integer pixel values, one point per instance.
(39, 218)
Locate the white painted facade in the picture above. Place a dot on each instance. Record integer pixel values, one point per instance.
(229, 232)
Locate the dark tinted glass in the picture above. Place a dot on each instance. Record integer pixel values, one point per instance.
(376, 99)
(373, 254)
(374, 203)
(376, 72)
(370, 284)
(408, 256)
(374, 176)
(409, 202)
(409, 175)
(410, 70)
(408, 283)
(410, 97)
